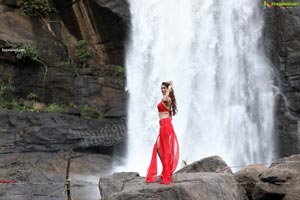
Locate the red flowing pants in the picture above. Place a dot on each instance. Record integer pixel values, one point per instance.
(169, 153)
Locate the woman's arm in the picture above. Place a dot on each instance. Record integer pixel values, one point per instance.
(166, 97)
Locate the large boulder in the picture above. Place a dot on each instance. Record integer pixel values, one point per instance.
(209, 164)
(280, 181)
(185, 186)
(249, 176)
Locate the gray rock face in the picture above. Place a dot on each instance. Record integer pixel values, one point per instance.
(185, 186)
(103, 23)
(34, 151)
(249, 176)
(209, 164)
(55, 38)
(280, 181)
(42, 175)
(282, 44)
(52, 132)
(121, 8)
(93, 87)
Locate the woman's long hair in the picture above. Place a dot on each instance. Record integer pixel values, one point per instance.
(172, 96)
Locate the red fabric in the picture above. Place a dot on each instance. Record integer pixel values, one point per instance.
(162, 108)
(169, 151)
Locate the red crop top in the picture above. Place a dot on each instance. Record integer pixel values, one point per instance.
(162, 108)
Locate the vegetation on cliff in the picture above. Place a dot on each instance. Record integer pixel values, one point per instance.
(35, 7)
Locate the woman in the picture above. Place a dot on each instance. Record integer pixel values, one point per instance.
(166, 145)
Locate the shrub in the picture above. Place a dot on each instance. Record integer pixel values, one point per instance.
(82, 52)
(29, 53)
(31, 96)
(53, 107)
(119, 73)
(35, 7)
(15, 105)
(7, 90)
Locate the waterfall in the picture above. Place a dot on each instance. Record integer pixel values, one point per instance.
(212, 50)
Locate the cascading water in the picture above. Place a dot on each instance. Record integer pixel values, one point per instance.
(222, 81)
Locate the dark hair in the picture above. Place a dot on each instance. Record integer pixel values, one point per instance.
(172, 96)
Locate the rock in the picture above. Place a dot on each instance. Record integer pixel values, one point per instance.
(12, 3)
(61, 81)
(104, 24)
(249, 176)
(41, 175)
(52, 132)
(121, 8)
(283, 50)
(185, 186)
(280, 181)
(209, 164)
(32, 153)
(33, 104)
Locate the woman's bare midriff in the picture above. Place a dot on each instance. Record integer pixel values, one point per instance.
(163, 115)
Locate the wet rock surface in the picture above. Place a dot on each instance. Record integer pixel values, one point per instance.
(189, 186)
(43, 175)
(35, 147)
(282, 44)
(279, 181)
(52, 132)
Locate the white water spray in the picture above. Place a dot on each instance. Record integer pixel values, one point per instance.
(222, 82)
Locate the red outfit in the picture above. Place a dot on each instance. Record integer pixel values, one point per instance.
(169, 150)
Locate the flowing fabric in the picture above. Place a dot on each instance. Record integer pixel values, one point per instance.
(169, 153)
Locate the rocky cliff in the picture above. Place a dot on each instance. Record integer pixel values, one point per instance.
(282, 43)
(35, 146)
(57, 76)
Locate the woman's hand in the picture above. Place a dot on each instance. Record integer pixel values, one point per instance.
(170, 85)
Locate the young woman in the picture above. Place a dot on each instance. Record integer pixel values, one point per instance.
(166, 145)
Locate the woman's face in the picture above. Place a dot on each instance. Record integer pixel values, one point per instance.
(163, 89)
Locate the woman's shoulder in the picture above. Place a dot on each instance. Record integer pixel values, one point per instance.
(169, 100)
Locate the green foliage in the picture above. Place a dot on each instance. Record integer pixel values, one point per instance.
(15, 105)
(29, 53)
(68, 38)
(35, 7)
(32, 96)
(85, 115)
(7, 90)
(64, 64)
(82, 52)
(85, 111)
(3, 103)
(54, 107)
(101, 116)
(88, 112)
(3, 130)
(119, 73)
